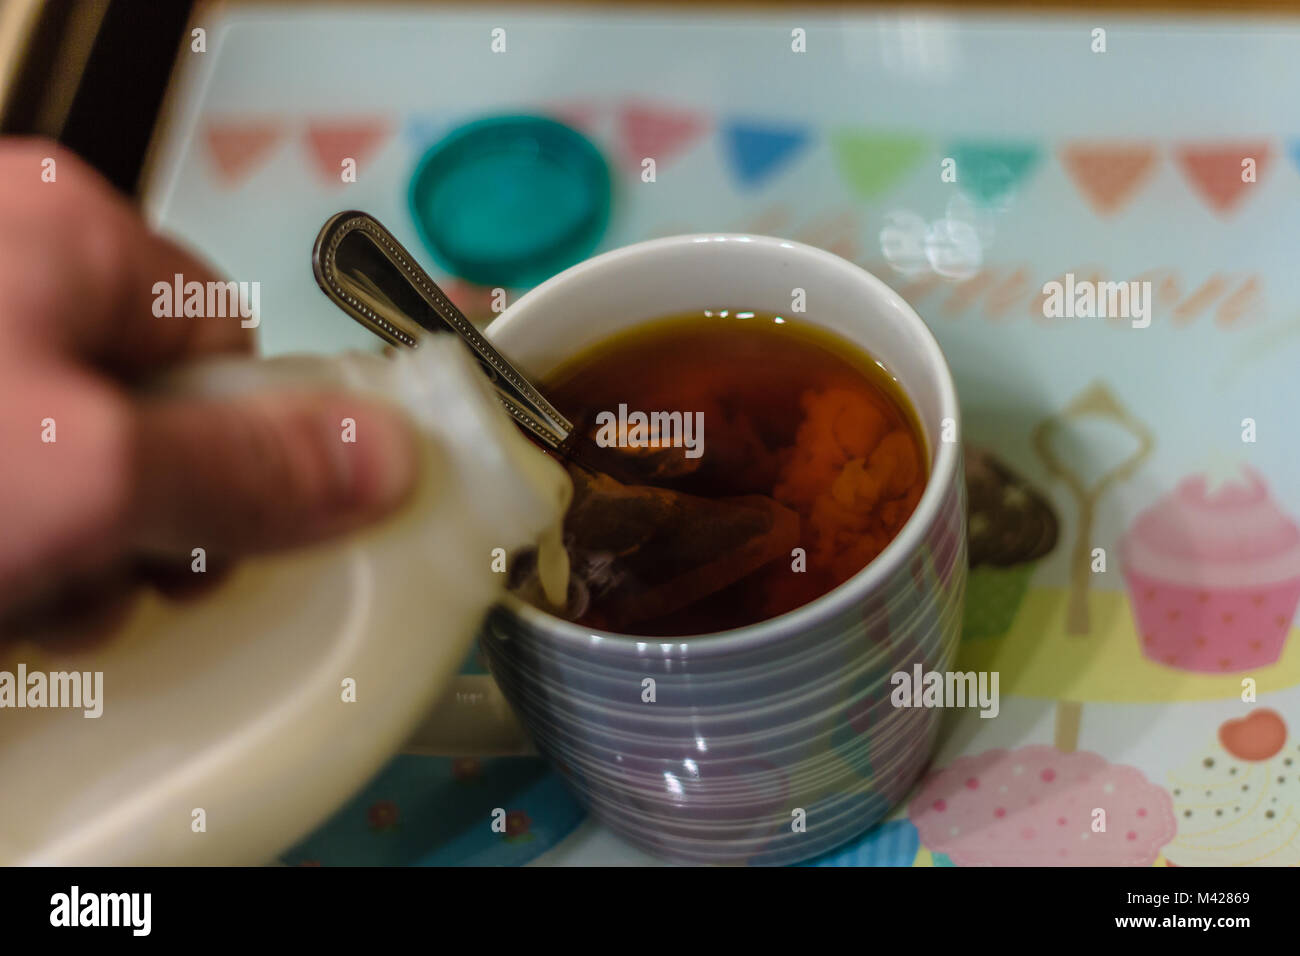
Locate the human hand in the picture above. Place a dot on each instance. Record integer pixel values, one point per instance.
(130, 485)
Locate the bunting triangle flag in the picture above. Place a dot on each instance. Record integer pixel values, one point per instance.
(758, 151)
(990, 172)
(331, 141)
(872, 162)
(1108, 174)
(659, 134)
(238, 145)
(1219, 171)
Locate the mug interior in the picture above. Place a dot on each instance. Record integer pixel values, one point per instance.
(628, 287)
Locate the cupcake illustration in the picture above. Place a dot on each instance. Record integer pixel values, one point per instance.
(1011, 526)
(1213, 573)
(1238, 802)
(1036, 806)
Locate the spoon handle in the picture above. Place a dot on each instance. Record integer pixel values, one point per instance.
(370, 276)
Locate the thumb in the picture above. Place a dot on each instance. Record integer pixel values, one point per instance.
(265, 471)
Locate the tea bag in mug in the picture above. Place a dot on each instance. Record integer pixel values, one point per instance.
(649, 552)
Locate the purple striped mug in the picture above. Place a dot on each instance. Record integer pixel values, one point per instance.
(771, 743)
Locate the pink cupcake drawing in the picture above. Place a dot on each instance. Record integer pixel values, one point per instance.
(1036, 806)
(1213, 575)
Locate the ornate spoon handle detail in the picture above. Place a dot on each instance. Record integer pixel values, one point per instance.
(370, 276)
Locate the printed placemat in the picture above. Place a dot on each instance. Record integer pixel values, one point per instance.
(1098, 219)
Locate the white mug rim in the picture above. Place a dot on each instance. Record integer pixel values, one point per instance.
(839, 599)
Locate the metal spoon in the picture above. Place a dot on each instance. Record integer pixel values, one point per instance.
(370, 276)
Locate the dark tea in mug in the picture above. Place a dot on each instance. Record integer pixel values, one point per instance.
(781, 460)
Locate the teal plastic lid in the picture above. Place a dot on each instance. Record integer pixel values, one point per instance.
(512, 200)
